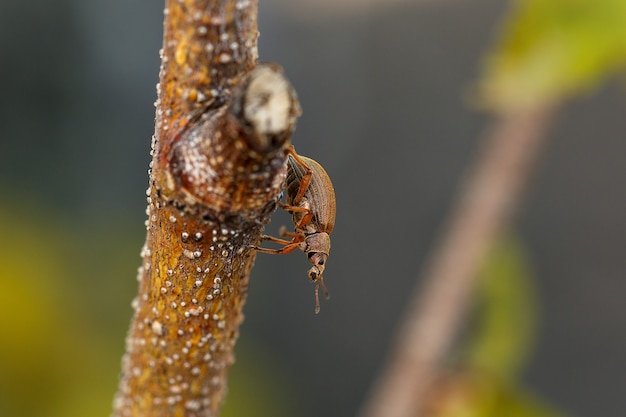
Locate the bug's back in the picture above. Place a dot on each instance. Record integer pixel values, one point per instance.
(320, 195)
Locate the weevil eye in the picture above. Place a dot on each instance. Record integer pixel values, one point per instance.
(317, 258)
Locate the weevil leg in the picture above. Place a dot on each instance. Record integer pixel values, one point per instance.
(290, 245)
(293, 208)
(284, 233)
(306, 219)
(277, 240)
(306, 179)
(282, 251)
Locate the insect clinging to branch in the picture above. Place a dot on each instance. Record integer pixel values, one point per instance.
(310, 198)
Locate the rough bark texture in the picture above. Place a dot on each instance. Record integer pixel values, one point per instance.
(218, 166)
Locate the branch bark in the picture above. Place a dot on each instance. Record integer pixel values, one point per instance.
(222, 127)
(486, 205)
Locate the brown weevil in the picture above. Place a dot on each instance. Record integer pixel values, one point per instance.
(310, 198)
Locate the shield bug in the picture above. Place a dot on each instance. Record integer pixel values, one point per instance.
(310, 198)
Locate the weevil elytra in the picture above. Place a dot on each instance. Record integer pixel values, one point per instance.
(310, 198)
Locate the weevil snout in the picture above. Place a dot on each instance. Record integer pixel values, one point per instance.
(317, 248)
(318, 260)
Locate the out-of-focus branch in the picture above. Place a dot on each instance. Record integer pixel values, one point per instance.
(222, 127)
(488, 198)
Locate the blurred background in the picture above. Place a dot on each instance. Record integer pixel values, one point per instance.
(384, 89)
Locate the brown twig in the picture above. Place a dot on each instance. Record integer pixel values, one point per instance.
(222, 128)
(486, 205)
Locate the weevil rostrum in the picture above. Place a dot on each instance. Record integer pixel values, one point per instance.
(310, 198)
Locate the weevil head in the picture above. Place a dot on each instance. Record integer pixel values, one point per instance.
(317, 248)
(318, 260)
(317, 242)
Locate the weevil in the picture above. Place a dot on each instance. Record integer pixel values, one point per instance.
(310, 198)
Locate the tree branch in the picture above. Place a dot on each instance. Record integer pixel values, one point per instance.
(486, 205)
(222, 127)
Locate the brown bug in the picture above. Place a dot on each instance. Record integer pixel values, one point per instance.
(311, 201)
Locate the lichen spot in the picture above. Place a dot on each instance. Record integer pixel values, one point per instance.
(157, 328)
(225, 58)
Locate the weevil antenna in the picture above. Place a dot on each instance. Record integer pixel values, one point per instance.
(320, 281)
(317, 298)
(326, 293)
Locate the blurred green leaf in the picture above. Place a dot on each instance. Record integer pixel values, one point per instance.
(257, 385)
(503, 331)
(549, 50)
(473, 394)
(53, 361)
(484, 381)
(29, 317)
(64, 311)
